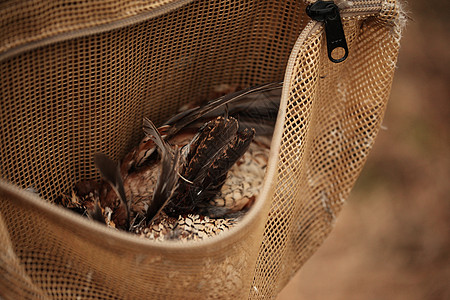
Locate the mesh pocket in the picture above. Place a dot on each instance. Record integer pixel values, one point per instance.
(77, 80)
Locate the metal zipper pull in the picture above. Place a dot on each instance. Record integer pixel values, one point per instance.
(328, 12)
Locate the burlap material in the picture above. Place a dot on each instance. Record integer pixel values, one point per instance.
(77, 78)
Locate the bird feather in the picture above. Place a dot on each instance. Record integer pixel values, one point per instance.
(262, 99)
(168, 177)
(110, 172)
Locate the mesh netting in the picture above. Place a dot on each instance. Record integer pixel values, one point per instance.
(77, 79)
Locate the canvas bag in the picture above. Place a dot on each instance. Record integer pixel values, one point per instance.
(77, 78)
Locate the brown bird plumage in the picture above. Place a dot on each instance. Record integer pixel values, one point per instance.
(180, 168)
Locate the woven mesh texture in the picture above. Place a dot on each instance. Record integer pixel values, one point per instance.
(77, 79)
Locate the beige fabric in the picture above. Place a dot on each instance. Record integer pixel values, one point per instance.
(78, 79)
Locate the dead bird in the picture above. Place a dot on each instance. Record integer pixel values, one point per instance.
(182, 168)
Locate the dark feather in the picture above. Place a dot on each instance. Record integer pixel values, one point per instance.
(217, 172)
(207, 145)
(212, 152)
(110, 172)
(168, 178)
(229, 156)
(96, 214)
(265, 98)
(258, 111)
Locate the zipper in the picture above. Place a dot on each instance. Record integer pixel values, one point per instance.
(351, 9)
(328, 13)
(355, 8)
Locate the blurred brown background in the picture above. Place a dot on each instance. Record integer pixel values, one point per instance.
(392, 239)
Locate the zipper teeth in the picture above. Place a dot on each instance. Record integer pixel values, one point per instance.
(348, 9)
(164, 9)
(355, 7)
